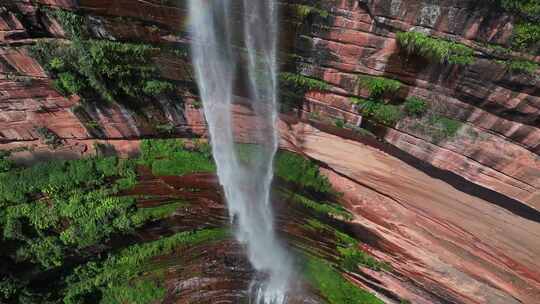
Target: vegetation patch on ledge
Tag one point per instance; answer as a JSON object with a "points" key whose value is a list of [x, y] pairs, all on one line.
{"points": [[118, 277], [333, 286], [435, 49], [100, 69]]}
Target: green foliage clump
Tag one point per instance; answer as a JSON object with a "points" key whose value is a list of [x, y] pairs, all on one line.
{"points": [[301, 81], [69, 83], [157, 87], [528, 8], [449, 127], [351, 257], [295, 86], [340, 123], [6, 164], [117, 270], [522, 66], [48, 137], [100, 69], [323, 208], [440, 50], [136, 292], [415, 106], [57, 209], [296, 169], [335, 288], [171, 157], [347, 246], [438, 127], [380, 112], [526, 35], [73, 24], [305, 11], [379, 86]]}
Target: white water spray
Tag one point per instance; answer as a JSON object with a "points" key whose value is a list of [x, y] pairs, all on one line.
{"points": [[246, 183]]}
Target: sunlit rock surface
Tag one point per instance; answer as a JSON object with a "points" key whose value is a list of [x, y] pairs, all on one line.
{"points": [[457, 219]]}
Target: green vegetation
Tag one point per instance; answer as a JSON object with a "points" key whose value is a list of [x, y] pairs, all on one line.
{"points": [[301, 81], [526, 36], [347, 246], [58, 220], [305, 11], [172, 157], [5, 163], [352, 257], [379, 86], [295, 169], [415, 106], [323, 208], [335, 288], [113, 276], [375, 107], [437, 127], [529, 8], [295, 86], [522, 66], [100, 69], [57, 209], [386, 114], [48, 137], [439, 50], [340, 123]]}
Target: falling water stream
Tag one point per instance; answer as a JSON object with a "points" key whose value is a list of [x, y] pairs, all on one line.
{"points": [[224, 46]]}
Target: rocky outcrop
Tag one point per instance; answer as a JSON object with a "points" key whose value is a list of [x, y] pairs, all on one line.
{"points": [[456, 246], [456, 216]]}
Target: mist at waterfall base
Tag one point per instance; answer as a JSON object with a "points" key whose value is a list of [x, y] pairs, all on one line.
{"points": [[246, 182]]}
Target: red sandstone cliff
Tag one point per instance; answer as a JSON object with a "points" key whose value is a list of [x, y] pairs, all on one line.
{"points": [[467, 233]]}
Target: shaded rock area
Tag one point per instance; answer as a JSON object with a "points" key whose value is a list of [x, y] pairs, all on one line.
{"points": [[458, 218], [217, 272], [497, 142]]}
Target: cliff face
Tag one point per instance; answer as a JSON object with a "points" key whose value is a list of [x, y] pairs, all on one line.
{"points": [[451, 198]]}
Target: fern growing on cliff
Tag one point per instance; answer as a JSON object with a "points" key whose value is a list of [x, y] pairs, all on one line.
{"points": [[436, 49], [379, 86]]}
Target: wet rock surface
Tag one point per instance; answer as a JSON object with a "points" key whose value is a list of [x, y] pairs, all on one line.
{"points": [[448, 241]]}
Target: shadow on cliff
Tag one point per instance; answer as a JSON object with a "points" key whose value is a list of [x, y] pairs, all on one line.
{"points": [[408, 69]]}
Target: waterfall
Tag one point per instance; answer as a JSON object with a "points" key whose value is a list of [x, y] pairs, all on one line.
{"points": [[224, 45]]}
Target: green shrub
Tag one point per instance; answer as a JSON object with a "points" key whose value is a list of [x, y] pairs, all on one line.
{"points": [[109, 70], [324, 208], [437, 127], [157, 87], [340, 123], [526, 35], [530, 8], [138, 292], [304, 11], [333, 287], [70, 84], [119, 269], [386, 114], [56, 64], [293, 88], [351, 257], [170, 157], [296, 169], [522, 66], [73, 24], [301, 81], [440, 50], [5, 163], [379, 86], [415, 106], [449, 127]]}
